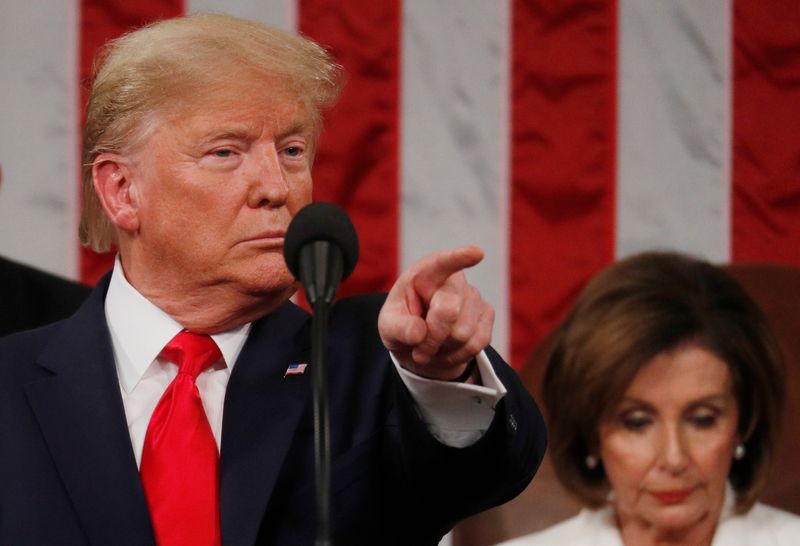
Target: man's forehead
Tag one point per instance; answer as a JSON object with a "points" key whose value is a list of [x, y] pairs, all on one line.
{"points": [[241, 117], [240, 88]]}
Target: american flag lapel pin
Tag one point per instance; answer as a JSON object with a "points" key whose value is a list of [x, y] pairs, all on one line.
{"points": [[296, 368]]}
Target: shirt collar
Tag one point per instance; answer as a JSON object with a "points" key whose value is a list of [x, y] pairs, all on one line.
{"points": [[729, 505], [139, 330]]}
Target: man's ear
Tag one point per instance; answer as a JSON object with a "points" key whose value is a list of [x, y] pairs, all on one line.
{"points": [[112, 175]]}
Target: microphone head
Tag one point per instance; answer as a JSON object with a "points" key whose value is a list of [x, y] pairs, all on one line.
{"points": [[321, 221]]}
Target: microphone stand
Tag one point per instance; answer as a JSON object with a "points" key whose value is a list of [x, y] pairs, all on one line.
{"points": [[322, 436], [321, 270]]}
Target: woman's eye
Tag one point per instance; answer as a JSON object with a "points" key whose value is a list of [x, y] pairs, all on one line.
{"points": [[635, 421], [703, 420]]}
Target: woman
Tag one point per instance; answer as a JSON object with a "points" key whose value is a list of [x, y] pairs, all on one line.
{"points": [[664, 392]]}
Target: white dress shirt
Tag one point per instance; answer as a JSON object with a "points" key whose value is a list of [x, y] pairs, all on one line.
{"points": [[455, 413]]}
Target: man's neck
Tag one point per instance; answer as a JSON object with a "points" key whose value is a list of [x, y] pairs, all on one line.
{"points": [[215, 310], [207, 309]]}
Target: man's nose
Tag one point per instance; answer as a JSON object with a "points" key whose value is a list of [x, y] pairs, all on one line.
{"points": [[268, 184]]}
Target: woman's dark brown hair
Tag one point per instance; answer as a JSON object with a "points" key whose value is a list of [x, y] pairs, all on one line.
{"points": [[632, 311]]}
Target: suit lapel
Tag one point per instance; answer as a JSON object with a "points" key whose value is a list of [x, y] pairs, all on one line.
{"points": [[262, 411], [79, 409]]}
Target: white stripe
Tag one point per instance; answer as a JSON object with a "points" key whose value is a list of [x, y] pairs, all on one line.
{"points": [[674, 127], [38, 134], [454, 138], [279, 13]]}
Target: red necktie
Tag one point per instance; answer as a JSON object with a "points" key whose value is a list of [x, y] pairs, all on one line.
{"points": [[179, 461]]}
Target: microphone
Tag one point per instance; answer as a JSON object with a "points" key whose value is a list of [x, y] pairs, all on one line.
{"points": [[321, 249]]}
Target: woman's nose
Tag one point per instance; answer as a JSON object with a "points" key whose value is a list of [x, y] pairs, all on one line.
{"points": [[674, 455]]}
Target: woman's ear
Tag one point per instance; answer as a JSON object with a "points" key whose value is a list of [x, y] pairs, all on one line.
{"points": [[112, 175]]}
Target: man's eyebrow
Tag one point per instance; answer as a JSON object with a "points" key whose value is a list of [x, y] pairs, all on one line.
{"points": [[240, 132], [300, 127]]}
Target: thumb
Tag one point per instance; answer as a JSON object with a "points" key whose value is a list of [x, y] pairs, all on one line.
{"points": [[400, 331]]}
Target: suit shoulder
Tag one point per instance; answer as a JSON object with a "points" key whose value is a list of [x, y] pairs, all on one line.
{"points": [[353, 330], [371, 302], [19, 352], [27, 341], [361, 304], [765, 524], [785, 524], [358, 311]]}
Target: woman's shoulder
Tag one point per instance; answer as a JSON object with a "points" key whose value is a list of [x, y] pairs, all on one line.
{"points": [[763, 523], [589, 527], [779, 522]]}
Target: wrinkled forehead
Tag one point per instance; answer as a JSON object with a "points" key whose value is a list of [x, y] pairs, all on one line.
{"points": [[250, 102]]}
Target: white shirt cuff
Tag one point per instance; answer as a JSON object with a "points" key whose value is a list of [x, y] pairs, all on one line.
{"points": [[457, 414]]}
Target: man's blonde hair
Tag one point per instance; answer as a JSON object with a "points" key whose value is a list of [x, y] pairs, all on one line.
{"points": [[142, 74]]}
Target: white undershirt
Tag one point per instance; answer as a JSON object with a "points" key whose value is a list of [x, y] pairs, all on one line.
{"points": [[456, 413]]}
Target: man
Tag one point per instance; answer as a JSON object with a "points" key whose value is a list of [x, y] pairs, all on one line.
{"points": [[30, 298], [199, 141]]}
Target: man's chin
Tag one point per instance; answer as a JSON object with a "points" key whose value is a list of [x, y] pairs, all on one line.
{"points": [[270, 285]]}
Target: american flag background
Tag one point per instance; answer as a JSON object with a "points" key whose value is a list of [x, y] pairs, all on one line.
{"points": [[557, 134]]}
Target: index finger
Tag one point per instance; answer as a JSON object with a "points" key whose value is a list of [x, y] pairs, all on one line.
{"points": [[434, 270]]}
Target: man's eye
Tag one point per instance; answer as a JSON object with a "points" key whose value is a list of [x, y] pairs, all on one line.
{"points": [[294, 151], [223, 152]]}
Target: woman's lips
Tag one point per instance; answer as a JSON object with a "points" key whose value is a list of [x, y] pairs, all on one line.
{"points": [[672, 496]]}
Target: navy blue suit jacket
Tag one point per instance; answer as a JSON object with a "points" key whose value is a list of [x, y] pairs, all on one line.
{"points": [[68, 474]]}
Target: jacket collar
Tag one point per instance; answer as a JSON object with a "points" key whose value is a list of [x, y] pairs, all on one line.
{"points": [[262, 409], [79, 409]]}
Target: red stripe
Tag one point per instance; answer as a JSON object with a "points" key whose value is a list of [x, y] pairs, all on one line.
{"points": [[766, 117], [358, 161], [563, 158], [101, 21]]}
